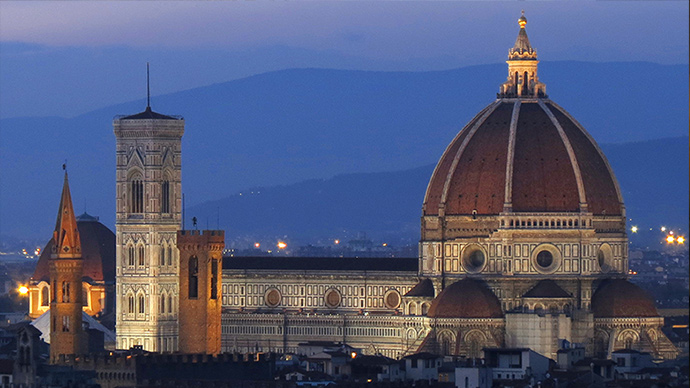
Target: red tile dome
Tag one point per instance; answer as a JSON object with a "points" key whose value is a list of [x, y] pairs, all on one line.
{"points": [[98, 252], [522, 155], [467, 298], [618, 298]]}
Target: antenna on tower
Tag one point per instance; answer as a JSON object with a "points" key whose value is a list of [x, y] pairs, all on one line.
{"points": [[148, 89]]}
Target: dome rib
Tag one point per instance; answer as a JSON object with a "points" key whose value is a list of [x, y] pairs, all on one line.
{"points": [[434, 191], [598, 187], [571, 154], [543, 177], [463, 146], [510, 158]]}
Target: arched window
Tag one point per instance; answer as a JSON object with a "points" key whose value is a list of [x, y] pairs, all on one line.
{"points": [[136, 191], [141, 255], [142, 307], [193, 277], [170, 303], [165, 197], [130, 255], [162, 307], [163, 249], [65, 292], [45, 296], [170, 256], [130, 304]]}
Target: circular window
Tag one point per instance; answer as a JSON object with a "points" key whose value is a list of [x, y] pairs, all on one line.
{"points": [[473, 258], [392, 299], [544, 259], [273, 297], [332, 298]]}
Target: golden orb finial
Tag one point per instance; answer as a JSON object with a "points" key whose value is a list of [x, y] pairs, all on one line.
{"points": [[523, 20]]}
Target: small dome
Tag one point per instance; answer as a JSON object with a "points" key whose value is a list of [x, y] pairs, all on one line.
{"points": [[467, 298], [97, 248], [618, 298]]}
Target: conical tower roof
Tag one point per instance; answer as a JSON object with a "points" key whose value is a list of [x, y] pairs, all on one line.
{"points": [[66, 235]]}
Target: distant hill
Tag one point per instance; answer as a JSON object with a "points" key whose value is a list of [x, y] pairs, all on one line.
{"points": [[388, 205], [287, 126]]}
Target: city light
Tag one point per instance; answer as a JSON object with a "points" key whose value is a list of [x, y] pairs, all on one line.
{"points": [[633, 229], [670, 239], [680, 240], [23, 290], [281, 245], [353, 354], [663, 228], [257, 245], [337, 242]]}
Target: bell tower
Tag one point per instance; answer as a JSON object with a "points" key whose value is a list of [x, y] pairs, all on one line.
{"points": [[66, 271], [149, 204]]}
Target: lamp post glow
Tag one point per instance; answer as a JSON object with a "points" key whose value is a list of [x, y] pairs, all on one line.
{"points": [[23, 290], [281, 245]]}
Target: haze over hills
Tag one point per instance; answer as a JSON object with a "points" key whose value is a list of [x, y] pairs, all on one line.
{"points": [[288, 126]]}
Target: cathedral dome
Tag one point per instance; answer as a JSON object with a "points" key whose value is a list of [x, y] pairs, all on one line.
{"points": [[467, 298], [97, 250], [522, 153], [618, 298]]}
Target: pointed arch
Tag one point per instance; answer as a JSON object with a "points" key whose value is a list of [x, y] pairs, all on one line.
{"points": [[141, 303]]}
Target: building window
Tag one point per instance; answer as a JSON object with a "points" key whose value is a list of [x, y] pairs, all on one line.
{"points": [[162, 309], [141, 255], [137, 195], [142, 307], [130, 300], [165, 197], [65, 292], [65, 323], [45, 296], [170, 256], [214, 279], [163, 249], [170, 303], [193, 277], [130, 256]]}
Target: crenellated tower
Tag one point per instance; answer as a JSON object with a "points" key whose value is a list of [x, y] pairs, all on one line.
{"points": [[201, 266], [149, 203], [66, 269]]}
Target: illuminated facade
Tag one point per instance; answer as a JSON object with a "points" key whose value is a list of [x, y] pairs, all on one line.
{"points": [[523, 244]]}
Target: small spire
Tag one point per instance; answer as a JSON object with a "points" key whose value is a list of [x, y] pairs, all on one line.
{"points": [[66, 236], [148, 89]]}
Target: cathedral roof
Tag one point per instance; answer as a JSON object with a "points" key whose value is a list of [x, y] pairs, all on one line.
{"points": [[546, 288], [618, 298], [424, 288], [522, 153], [387, 264], [467, 298], [98, 252], [522, 156]]}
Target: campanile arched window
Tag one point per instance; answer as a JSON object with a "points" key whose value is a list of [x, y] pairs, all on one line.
{"points": [[136, 194], [165, 197]]}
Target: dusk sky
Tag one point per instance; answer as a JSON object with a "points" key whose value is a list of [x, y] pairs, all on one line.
{"points": [[67, 58]]}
